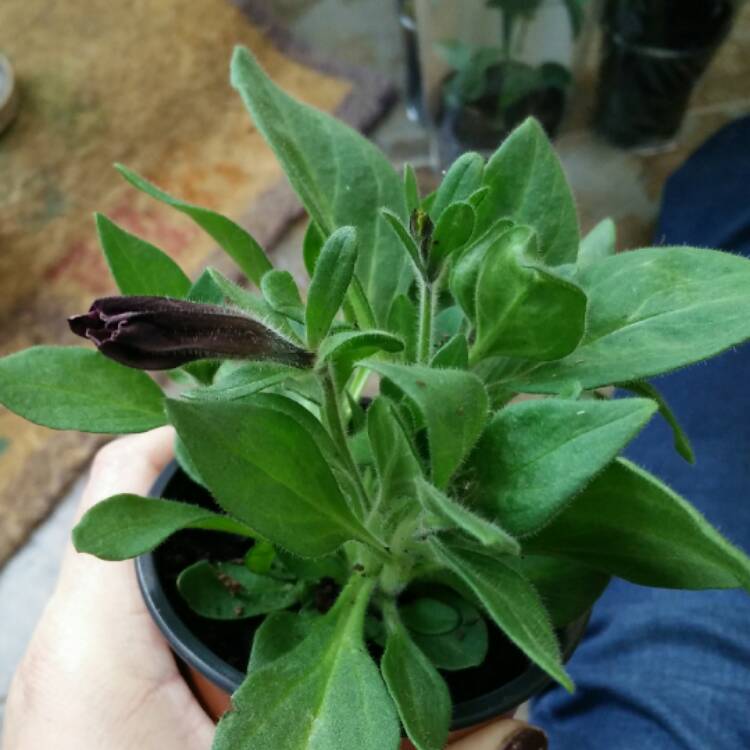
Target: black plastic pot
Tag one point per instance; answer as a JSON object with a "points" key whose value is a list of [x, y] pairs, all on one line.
{"points": [[211, 676], [653, 53]]}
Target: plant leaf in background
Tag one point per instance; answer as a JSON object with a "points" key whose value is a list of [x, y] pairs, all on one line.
{"points": [[137, 266], [523, 310], [527, 184], [246, 451], [627, 523], [330, 281], [411, 188], [340, 176], [453, 230], [72, 388], [419, 692], [402, 319], [227, 591], [232, 238], [454, 407], [534, 455], [511, 602], [328, 687], [638, 301], [281, 293], [277, 635], [681, 440], [454, 353], [598, 244], [125, 526]]}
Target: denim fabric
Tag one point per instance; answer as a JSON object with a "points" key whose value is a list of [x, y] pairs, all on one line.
{"points": [[663, 669]]}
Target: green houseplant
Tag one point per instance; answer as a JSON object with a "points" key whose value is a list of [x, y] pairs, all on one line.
{"points": [[455, 303]]}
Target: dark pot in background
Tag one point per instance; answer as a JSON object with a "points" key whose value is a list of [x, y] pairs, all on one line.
{"points": [[211, 675], [413, 80], [653, 53]]}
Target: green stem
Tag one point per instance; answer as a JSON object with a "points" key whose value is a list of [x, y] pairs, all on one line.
{"points": [[332, 411], [426, 322]]}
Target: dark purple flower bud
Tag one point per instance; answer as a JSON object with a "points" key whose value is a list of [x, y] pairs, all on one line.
{"points": [[157, 333]]}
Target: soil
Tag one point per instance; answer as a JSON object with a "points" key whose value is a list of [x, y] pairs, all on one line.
{"points": [[231, 640]]}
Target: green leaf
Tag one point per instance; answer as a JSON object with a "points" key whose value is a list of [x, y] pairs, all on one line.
{"points": [[246, 451], [330, 280], [462, 179], [402, 320], [232, 238], [451, 511], [312, 244], [463, 280], [137, 266], [523, 310], [419, 692], [328, 687], [405, 239], [429, 616], [512, 603], [72, 388], [330, 566], [534, 455], [681, 440], [652, 311], [227, 591], [630, 525], [185, 462], [206, 290], [452, 231], [460, 648], [351, 346], [527, 184], [281, 293], [598, 244], [125, 526], [453, 404], [277, 635], [567, 588], [260, 557], [395, 462], [244, 381], [341, 177], [411, 188], [454, 353]]}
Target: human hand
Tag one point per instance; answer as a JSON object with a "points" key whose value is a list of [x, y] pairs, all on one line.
{"points": [[505, 734], [98, 675]]}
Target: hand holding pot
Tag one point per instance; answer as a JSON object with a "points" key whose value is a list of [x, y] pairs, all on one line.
{"points": [[98, 673]]}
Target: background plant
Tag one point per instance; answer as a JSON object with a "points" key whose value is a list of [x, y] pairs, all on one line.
{"points": [[444, 506]]}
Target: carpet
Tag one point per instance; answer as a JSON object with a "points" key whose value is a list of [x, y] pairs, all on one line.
{"points": [[144, 83]]}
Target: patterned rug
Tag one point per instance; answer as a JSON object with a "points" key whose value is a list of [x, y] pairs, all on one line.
{"points": [[144, 83]]}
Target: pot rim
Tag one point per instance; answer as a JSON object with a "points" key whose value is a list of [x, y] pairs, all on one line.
{"points": [[192, 651]]}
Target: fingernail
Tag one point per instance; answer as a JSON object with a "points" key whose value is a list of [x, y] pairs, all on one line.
{"points": [[529, 738]]}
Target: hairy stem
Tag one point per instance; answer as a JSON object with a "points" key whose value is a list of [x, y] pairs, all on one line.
{"points": [[426, 322]]}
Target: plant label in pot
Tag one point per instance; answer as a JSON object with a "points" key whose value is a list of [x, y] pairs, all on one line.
{"points": [[363, 567]]}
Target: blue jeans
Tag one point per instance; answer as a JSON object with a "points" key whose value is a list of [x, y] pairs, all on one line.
{"points": [[661, 669]]}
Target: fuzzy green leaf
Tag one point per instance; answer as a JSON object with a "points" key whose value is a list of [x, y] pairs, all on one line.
{"points": [[453, 354], [312, 244], [411, 188], [402, 320], [523, 310], [429, 616], [627, 523], [278, 634], [354, 345], [419, 692], [402, 233], [245, 380], [232, 238], [527, 184], [330, 281], [227, 591], [681, 440], [340, 176], [281, 293], [72, 388], [137, 266], [512, 603], [652, 311], [454, 513], [452, 231], [247, 451], [125, 526], [453, 404], [328, 687], [462, 180], [534, 455], [598, 244]]}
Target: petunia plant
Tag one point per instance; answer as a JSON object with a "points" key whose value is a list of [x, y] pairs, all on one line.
{"points": [[445, 499]]}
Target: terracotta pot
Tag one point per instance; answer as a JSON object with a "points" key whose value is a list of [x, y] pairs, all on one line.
{"points": [[213, 680]]}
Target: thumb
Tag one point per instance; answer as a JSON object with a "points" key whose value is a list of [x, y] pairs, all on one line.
{"points": [[505, 734]]}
